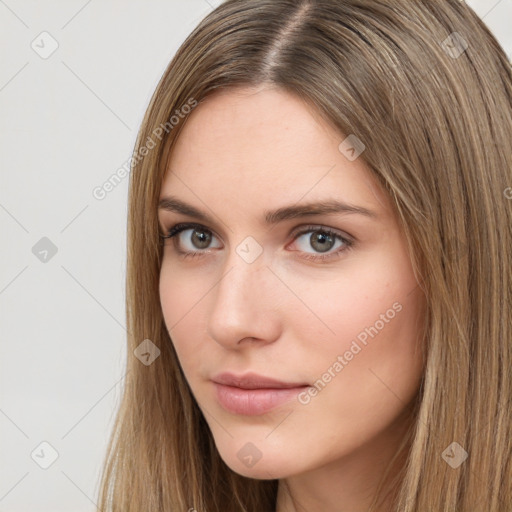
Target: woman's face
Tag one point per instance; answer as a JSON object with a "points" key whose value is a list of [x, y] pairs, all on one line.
{"points": [[258, 297]]}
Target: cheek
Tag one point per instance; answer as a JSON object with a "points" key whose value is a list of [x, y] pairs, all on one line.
{"points": [[181, 297], [341, 304], [364, 338], [181, 291]]}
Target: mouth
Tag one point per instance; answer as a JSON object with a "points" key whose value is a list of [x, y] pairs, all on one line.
{"points": [[253, 394]]}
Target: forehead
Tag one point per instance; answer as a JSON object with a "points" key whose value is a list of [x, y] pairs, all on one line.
{"points": [[244, 149]]}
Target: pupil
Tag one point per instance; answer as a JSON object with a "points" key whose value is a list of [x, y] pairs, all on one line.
{"points": [[201, 238], [322, 238]]}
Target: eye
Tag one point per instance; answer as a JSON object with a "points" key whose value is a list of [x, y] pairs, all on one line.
{"points": [[323, 240], [199, 238]]}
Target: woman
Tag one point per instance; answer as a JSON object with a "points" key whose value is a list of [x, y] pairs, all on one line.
{"points": [[319, 269]]}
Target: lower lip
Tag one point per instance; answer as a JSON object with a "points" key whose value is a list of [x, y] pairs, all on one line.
{"points": [[252, 402]]}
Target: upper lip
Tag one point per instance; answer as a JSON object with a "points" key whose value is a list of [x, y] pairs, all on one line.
{"points": [[253, 381]]}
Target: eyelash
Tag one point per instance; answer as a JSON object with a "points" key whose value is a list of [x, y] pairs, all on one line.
{"points": [[178, 228]]}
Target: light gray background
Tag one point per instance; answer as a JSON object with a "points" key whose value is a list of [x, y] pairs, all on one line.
{"points": [[67, 123]]}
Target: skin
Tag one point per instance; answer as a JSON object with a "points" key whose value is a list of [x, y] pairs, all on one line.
{"points": [[243, 152]]}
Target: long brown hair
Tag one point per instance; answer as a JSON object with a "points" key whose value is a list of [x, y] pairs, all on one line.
{"points": [[428, 90]]}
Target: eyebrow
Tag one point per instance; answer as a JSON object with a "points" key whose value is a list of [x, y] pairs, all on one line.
{"points": [[172, 204]]}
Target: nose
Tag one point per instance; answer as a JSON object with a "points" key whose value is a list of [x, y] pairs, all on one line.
{"points": [[243, 305]]}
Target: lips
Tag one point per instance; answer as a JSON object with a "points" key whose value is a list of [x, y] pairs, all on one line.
{"points": [[252, 394], [254, 381]]}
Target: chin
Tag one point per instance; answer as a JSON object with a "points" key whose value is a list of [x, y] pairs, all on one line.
{"points": [[265, 468]]}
